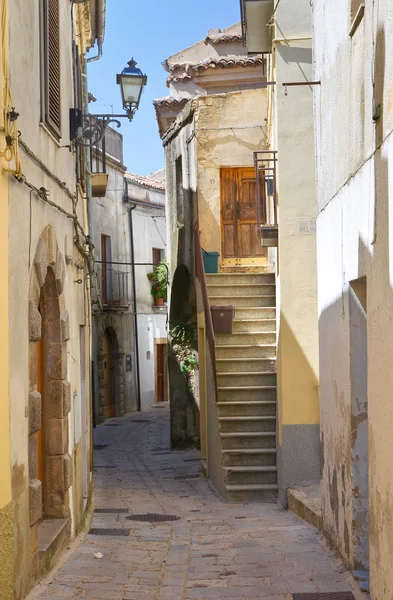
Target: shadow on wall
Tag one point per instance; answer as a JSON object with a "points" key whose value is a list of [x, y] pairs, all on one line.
{"points": [[184, 407], [356, 438]]}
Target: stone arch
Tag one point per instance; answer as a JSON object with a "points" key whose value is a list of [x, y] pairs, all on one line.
{"points": [[184, 411], [109, 325], [49, 406]]}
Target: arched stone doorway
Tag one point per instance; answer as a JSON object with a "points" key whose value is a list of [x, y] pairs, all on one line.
{"points": [[50, 467], [110, 371]]}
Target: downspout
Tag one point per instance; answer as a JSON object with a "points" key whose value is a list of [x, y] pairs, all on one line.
{"points": [[138, 378], [100, 24]]}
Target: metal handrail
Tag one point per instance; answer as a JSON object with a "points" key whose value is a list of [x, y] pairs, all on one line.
{"points": [[200, 273]]}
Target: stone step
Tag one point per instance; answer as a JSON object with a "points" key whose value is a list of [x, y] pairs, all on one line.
{"points": [[250, 475], [247, 409], [233, 441], [246, 338], [229, 290], [251, 493], [235, 365], [257, 301], [251, 378], [249, 457], [267, 393], [246, 351], [255, 312], [240, 278], [247, 424], [241, 325]]}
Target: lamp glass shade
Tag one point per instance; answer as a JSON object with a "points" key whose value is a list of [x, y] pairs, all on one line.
{"points": [[131, 88]]}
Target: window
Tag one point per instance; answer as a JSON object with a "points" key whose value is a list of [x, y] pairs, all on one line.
{"points": [[106, 273], [158, 256], [50, 66]]}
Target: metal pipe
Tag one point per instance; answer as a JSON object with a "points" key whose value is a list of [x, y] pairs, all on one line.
{"points": [[100, 24], [295, 39], [138, 378]]}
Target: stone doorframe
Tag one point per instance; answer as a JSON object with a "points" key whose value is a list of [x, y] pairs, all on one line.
{"points": [[46, 285], [109, 324]]}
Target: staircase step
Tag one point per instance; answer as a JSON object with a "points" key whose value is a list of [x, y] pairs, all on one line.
{"points": [[249, 493], [246, 365], [240, 301], [250, 475], [231, 291], [238, 278], [242, 325], [247, 409], [246, 338], [251, 378], [249, 457], [246, 351], [255, 312], [233, 441], [267, 393], [247, 424]]}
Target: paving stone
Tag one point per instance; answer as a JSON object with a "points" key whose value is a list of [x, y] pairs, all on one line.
{"points": [[216, 551]]}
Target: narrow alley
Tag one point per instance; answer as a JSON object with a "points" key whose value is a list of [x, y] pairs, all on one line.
{"points": [[205, 548]]}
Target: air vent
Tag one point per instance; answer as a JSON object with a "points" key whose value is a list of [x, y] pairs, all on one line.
{"points": [[153, 518]]}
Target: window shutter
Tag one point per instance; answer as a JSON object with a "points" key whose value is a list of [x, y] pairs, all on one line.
{"points": [[51, 65]]}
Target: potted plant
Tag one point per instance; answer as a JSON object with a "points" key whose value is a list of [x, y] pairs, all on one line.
{"points": [[159, 281]]}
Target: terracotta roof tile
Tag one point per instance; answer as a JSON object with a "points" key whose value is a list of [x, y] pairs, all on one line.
{"points": [[145, 181], [170, 101], [221, 61], [224, 38]]}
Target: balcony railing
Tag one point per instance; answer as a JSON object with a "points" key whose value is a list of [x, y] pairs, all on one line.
{"points": [[265, 162], [112, 287]]}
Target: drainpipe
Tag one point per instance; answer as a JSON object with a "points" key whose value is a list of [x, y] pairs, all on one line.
{"points": [[100, 24], [138, 378]]}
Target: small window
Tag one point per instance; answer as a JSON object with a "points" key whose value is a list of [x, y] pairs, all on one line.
{"points": [[50, 66], [158, 256]]}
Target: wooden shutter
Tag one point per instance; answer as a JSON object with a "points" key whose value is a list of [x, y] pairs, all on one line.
{"points": [[50, 68], [156, 256]]}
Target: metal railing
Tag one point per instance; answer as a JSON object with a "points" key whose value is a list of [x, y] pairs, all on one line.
{"points": [[265, 162], [113, 286], [200, 273]]}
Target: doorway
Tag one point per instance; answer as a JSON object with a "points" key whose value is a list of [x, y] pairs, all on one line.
{"points": [[109, 377], [161, 371], [40, 432], [240, 244]]}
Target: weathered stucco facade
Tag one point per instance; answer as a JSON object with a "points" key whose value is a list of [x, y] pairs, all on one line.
{"points": [[354, 119], [291, 120], [45, 443]]}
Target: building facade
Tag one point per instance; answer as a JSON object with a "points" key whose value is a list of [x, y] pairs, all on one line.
{"points": [[354, 119], [46, 466]]}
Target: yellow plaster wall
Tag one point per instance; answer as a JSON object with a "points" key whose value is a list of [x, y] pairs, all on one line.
{"points": [[228, 129], [5, 462]]}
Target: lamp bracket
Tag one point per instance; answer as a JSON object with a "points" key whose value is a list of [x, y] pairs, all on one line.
{"points": [[91, 129]]}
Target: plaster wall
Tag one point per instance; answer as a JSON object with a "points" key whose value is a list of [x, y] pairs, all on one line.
{"points": [[228, 129], [110, 217], [354, 165], [297, 316], [149, 232], [28, 216]]}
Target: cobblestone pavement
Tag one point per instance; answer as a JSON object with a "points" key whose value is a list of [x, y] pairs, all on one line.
{"points": [[214, 551]]}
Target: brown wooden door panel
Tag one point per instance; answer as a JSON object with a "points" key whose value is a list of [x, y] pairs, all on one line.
{"points": [[239, 214], [109, 378], [160, 372]]}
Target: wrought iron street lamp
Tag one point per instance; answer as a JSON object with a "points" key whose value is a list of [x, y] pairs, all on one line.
{"points": [[131, 81], [89, 129]]}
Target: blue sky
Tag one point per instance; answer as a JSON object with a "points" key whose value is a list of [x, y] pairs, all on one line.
{"points": [[149, 31]]}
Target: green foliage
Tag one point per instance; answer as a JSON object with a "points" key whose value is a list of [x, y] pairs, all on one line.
{"points": [[188, 365], [159, 280], [183, 334]]}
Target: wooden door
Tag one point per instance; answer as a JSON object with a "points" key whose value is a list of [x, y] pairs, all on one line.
{"points": [[160, 372], [239, 214], [109, 378], [40, 432]]}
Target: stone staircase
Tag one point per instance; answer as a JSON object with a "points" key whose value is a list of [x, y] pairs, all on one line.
{"points": [[246, 381]]}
